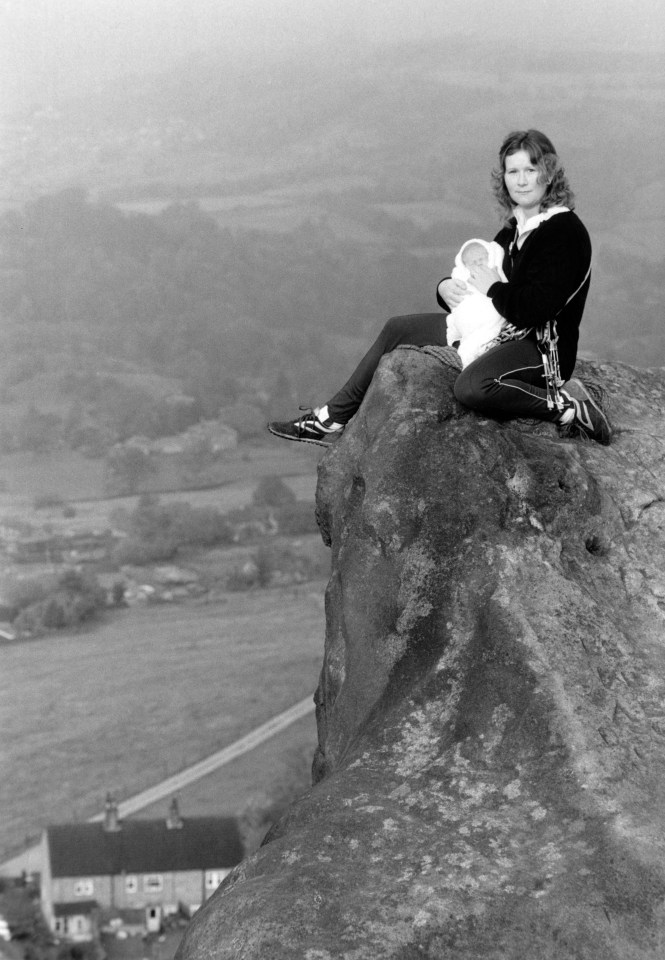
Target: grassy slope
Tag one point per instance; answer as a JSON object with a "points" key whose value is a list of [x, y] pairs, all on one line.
{"points": [[153, 689], [71, 477], [145, 695], [282, 763]]}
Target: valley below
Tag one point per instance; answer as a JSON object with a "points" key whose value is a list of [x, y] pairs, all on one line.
{"points": [[150, 687]]}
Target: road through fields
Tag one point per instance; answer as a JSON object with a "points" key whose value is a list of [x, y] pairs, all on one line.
{"points": [[178, 781], [29, 860]]}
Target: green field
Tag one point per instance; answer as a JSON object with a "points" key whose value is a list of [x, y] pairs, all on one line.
{"points": [[97, 514], [280, 767], [148, 693], [68, 476]]}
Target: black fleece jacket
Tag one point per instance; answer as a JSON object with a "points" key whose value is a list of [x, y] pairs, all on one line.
{"points": [[542, 275]]}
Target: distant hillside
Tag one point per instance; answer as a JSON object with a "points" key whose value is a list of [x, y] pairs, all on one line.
{"points": [[118, 324], [331, 194]]}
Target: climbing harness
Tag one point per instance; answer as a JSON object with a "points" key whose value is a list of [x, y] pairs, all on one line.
{"points": [[547, 339]]}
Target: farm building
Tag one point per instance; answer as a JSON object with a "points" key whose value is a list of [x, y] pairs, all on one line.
{"points": [[100, 874]]}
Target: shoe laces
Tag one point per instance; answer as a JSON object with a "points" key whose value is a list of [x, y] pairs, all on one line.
{"points": [[308, 418], [307, 413]]}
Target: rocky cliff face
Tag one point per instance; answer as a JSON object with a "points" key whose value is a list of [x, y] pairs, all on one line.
{"points": [[491, 709]]}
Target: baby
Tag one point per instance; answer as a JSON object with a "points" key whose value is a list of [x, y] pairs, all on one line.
{"points": [[475, 322]]}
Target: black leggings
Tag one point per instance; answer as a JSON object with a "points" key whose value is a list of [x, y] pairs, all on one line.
{"points": [[506, 381]]}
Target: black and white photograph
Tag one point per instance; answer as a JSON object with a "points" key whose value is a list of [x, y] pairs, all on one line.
{"points": [[332, 480]]}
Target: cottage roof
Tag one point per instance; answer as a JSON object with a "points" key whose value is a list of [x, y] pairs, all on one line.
{"points": [[143, 846]]}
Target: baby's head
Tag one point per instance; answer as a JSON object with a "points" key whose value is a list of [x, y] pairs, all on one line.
{"points": [[475, 255]]}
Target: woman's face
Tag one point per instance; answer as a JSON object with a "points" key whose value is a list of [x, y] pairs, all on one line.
{"points": [[524, 182]]}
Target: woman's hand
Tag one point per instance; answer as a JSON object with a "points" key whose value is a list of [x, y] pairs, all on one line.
{"points": [[453, 292], [482, 277]]}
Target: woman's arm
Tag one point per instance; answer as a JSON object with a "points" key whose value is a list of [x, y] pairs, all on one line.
{"points": [[548, 268], [450, 293]]}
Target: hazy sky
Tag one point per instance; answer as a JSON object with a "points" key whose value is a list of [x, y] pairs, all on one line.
{"points": [[51, 46]]}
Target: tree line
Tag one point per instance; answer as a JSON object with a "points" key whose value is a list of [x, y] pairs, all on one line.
{"points": [[230, 316]]}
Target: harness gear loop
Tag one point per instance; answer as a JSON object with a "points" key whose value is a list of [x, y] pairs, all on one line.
{"points": [[547, 338], [547, 345]]}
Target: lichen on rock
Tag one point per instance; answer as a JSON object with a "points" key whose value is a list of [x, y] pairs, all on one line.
{"points": [[491, 707]]}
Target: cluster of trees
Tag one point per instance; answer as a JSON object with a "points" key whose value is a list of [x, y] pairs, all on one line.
{"points": [[156, 530], [58, 602], [20, 906], [100, 411], [242, 321], [229, 316], [274, 501]]}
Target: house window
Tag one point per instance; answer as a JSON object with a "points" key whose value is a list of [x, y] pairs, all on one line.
{"points": [[131, 884], [214, 878], [153, 883], [83, 888], [60, 925]]}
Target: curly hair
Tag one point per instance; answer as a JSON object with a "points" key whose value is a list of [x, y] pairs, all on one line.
{"points": [[544, 157]]}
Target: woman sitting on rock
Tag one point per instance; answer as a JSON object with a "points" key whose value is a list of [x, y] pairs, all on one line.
{"points": [[547, 261]]}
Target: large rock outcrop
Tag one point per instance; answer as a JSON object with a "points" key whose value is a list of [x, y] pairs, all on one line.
{"points": [[491, 709]]}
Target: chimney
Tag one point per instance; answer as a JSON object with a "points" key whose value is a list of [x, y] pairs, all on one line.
{"points": [[111, 818], [173, 819]]}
